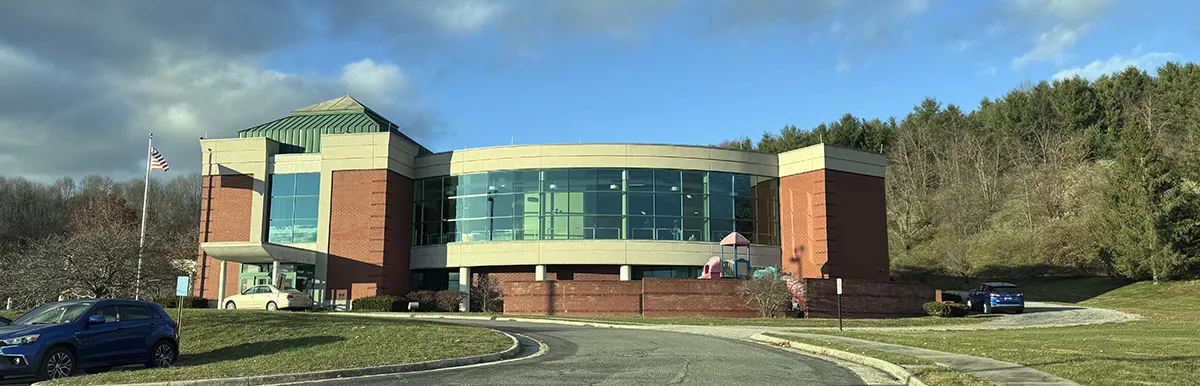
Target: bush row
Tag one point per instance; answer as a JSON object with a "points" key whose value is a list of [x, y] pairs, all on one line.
{"points": [[170, 302], [946, 310], [428, 301]]}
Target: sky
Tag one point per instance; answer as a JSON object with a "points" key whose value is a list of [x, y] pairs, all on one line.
{"points": [[83, 83]]}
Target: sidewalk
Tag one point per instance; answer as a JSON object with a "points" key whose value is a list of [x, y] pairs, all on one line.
{"points": [[1000, 372]]}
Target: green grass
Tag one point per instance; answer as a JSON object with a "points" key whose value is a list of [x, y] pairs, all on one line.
{"points": [[11, 314], [925, 370], [1162, 349], [218, 343]]}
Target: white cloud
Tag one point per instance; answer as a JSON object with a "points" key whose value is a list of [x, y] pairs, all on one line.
{"points": [[380, 82], [1095, 69], [465, 16], [1051, 45]]}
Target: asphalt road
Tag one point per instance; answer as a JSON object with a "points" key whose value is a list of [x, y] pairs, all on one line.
{"points": [[605, 356]]}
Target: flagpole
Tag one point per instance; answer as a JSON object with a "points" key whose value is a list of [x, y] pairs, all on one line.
{"points": [[137, 288]]}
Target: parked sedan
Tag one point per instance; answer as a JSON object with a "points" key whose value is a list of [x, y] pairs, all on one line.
{"points": [[58, 340], [990, 297], [270, 298]]}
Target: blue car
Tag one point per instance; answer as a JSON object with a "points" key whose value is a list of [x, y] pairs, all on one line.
{"points": [[992, 297], [60, 339]]}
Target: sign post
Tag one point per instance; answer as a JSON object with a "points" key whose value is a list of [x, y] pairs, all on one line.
{"points": [[182, 284], [839, 302]]}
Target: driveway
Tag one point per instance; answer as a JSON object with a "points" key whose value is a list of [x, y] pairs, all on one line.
{"points": [[613, 356]]}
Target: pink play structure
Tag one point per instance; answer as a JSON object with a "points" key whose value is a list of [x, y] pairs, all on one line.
{"points": [[712, 269]]}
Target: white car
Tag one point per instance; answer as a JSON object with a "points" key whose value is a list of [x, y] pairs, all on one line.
{"points": [[268, 297]]}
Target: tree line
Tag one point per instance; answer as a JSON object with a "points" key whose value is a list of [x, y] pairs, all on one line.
{"points": [[1063, 177], [80, 238]]}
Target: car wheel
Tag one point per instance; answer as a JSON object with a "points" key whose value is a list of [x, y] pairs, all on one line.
{"points": [[163, 355], [271, 306], [230, 306], [58, 363], [1020, 310]]}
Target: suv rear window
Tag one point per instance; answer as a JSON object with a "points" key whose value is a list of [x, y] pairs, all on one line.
{"points": [[1006, 290]]}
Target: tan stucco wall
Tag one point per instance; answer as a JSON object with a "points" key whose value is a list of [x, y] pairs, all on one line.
{"points": [[596, 155], [607, 252], [819, 157]]}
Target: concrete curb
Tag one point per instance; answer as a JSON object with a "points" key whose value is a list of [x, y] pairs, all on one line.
{"points": [[895, 370], [509, 353]]}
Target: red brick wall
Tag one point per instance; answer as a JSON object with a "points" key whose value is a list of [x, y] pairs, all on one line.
{"points": [[857, 226], [865, 299], [225, 206], [693, 298], [571, 297], [370, 233], [834, 224], [802, 224]]}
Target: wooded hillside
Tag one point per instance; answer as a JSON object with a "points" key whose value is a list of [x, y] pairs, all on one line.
{"points": [[1058, 178]]}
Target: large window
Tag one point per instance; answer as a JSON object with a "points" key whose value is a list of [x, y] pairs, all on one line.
{"points": [[595, 203], [293, 208]]}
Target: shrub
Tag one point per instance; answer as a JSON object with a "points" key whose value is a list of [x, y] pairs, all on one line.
{"points": [[769, 296], [170, 302], [448, 300], [945, 310], [426, 299], [384, 303]]}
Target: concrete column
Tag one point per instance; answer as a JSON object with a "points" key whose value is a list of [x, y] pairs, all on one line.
{"points": [[539, 272], [221, 285], [464, 285], [275, 273], [626, 273]]}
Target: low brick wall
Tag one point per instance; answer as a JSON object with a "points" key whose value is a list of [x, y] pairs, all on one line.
{"points": [[693, 298], [866, 299], [572, 297]]}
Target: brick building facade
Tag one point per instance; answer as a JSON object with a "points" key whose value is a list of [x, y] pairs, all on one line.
{"points": [[334, 200]]}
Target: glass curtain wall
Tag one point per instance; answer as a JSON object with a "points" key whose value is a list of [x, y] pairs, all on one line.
{"points": [[595, 204], [293, 208]]}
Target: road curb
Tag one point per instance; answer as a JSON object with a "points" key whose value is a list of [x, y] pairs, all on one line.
{"points": [[895, 370], [276, 379]]}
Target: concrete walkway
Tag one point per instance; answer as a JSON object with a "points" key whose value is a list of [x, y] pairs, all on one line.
{"points": [[999, 372]]}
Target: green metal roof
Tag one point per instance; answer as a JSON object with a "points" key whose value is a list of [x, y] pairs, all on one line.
{"points": [[300, 131]]}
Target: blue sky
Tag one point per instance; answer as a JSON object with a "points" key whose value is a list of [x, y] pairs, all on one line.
{"points": [[677, 80], [99, 76]]}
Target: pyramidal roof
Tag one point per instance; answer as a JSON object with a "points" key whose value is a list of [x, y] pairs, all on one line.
{"points": [[340, 105]]}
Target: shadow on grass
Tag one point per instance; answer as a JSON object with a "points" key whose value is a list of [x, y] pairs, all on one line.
{"points": [[251, 350]]}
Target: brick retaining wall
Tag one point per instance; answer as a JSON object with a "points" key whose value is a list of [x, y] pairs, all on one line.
{"points": [[571, 297], [693, 298], [865, 299]]}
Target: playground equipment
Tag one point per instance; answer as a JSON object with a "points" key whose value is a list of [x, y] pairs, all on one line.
{"points": [[712, 269], [736, 240]]}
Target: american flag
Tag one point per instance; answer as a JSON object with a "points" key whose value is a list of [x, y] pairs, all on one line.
{"points": [[157, 162]]}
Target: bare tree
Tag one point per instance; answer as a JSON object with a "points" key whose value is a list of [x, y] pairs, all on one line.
{"points": [[769, 296], [486, 293]]}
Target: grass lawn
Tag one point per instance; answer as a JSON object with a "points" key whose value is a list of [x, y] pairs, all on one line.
{"points": [[11, 314], [218, 343], [1162, 349], [926, 370]]}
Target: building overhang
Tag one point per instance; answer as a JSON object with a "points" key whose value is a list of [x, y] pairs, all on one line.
{"points": [[258, 253]]}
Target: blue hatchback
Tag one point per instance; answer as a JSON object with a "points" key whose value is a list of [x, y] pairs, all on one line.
{"points": [[60, 339], [992, 297]]}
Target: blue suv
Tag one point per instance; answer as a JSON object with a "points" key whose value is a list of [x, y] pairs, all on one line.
{"points": [[991, 297], [60, 339]]}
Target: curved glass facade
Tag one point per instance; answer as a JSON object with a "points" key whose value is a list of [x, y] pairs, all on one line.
{"points": [[595, 203]]}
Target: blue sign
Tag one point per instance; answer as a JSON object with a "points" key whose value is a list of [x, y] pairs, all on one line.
{"points": [[181, 285]]}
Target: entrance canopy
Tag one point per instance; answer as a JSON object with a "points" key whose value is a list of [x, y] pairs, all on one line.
{"points": [[251, 252]]}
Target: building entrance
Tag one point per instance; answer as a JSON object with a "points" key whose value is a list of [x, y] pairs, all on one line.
{"points": [[298, 276]]}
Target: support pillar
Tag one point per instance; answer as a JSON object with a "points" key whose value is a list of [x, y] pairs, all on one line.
{"points": [[626, 273], [539, 272], [275, 273], [464, 285], [220, 285]]}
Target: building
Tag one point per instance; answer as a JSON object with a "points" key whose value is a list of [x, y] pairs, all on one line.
{"points": [[335, 200]]}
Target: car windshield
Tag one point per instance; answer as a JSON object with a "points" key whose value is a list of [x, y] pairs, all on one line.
{"points": [[1006, 290], [53, 314]]}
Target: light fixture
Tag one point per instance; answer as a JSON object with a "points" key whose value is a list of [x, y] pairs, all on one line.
{"points": [[553, 186], [613, 187], [491, 187], [689, 196], [674, 188]]}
